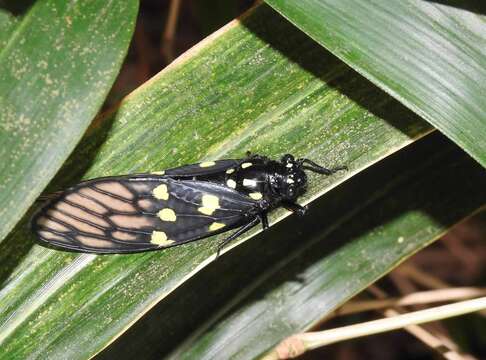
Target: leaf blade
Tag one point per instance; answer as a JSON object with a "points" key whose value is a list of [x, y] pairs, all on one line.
{"points": [[429, 56], [287, 95], [55, 74], [394, 210]]}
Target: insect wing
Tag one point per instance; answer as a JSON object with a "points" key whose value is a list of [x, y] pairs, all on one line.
{"points": [[202, 169], [130, 214]]}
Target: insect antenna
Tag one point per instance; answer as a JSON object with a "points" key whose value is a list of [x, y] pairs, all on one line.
{"points": [[307, 164]]}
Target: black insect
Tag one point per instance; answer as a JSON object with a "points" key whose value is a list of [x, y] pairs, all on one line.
{"points": [[132, 213]]}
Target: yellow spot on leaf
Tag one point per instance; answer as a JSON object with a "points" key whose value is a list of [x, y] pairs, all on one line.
{"points": [[207, 164], [216, 226], [161, 193], [256, 195], [167, 215], [160, 238]]}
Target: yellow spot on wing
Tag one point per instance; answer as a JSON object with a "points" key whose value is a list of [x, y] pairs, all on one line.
{"points": [[256, 195], [161, 193], [211, 201], [162, 172], [209, 204], [216, 226], [207, 164], [246, 164], [230, 171], [160, 238], [249, 182], [231, 183], [167, 215]]}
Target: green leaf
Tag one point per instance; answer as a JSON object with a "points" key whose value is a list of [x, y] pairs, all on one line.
{"points": [[430, 55], [7, 26], [258, 85], [369, 225], [56, 68]]}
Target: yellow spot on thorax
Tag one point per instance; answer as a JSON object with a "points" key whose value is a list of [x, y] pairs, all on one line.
{"points": [[256, 195], [207, 164], [167, 215], [160, 238], [209, 204], [161, 193], [216, 226]]}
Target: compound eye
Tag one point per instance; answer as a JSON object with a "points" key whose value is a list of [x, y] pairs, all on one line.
{"points": [[288, 158]]}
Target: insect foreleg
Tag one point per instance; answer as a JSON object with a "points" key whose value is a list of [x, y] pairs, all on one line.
{"points": [[294, 207], [237, 233], [264, 219]]}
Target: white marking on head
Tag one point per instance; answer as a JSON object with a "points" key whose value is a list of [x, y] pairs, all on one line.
{"points": [[289, 165], [256, 195], [207, 164], [290, 181], [160, 238], [246, 164], [249, 182], [161, 193], [167, 215], [209, 204], [216, 226], [231, 183]]}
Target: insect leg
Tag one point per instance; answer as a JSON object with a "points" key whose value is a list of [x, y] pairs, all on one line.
{"points": [[264, 219], [237, 233], [312, 166], [251, 156], [294, 207]]}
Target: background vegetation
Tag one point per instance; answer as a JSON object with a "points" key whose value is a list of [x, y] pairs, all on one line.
{"points": [[315, 78]]}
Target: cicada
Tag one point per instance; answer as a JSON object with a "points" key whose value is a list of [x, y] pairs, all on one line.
{"points": [[132, 213]]}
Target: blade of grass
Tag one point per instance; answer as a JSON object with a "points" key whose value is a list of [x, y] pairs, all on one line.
{"points": [[257, 85], [368, 226], [430, 55], [7, 26], [56, 68]]}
